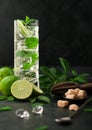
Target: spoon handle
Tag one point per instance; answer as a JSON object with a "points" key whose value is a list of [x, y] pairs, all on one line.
{"points": [[87, 101]]}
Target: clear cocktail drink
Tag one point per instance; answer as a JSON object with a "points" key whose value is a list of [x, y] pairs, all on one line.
{"points": [[26, 50]]}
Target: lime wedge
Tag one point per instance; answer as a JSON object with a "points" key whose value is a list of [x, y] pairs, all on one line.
{"points": [[24, 31], [36, 90], [5, 84], [21, 89]]}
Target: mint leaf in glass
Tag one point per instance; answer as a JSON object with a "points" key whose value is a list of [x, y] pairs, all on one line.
{"points": [[20, 53], [34, 57], [25, 53], [31, 42], [27, 65]]}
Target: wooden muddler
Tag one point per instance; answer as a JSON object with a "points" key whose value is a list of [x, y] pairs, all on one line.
{"points": [[61, 88]]}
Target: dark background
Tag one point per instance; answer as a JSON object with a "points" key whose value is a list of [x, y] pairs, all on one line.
{"points": [[65, 29]]}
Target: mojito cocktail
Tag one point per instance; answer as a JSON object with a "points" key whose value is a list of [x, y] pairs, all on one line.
{"points": [[26, 49]]}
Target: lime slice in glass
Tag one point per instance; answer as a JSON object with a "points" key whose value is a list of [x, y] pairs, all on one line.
{"points": [[21, 89], [23, 29]]}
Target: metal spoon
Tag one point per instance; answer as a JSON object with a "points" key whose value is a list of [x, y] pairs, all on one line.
{"points": [[68, 119]]}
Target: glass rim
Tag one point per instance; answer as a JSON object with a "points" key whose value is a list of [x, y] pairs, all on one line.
{"points": [[35, 23]]}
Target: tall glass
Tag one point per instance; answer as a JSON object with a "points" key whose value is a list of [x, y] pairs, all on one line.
{"points": [[26, 50]]}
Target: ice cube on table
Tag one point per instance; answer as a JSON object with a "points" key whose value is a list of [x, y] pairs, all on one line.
{"points": [[22, 113], [37, 109]]}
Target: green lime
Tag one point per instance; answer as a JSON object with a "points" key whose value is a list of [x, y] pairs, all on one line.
{"points": [[21, 89], [5, 84], [5, 71]]}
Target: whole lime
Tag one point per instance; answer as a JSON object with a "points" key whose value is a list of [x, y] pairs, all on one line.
{"points": [[5, 71], [5, 84]]}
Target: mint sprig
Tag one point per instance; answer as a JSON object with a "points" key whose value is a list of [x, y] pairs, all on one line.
{"points": [[28, 21]]}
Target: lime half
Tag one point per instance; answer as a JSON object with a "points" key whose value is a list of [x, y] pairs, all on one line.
{"points": [[21, 89]]}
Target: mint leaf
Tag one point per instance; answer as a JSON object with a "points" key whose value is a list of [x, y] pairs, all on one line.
{"points": [[31, 42], [2, 97], [74, 73], [6, 108], [44, 79], [43, 99], [34, 56], [10, 98], [62, 78], [42, 128], [45, 70], [27, 65], [65, 65], [50, 72], [32, 99], [81, 78], [37, 104], [88, 110], [53, 71], [25, 53], [20, 53]]}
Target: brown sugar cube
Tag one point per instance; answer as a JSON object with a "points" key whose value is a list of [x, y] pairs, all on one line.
{"points": [[81, 94], [71, 96], [76, 91], [62, 103], [73, 107], [70, 91]]}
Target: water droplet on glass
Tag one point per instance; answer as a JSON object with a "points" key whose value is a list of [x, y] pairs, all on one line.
{"points": [[22, 113], [37, 109]]}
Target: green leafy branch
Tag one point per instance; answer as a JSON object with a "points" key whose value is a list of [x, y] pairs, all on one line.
{"points": [[50, 75]]}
